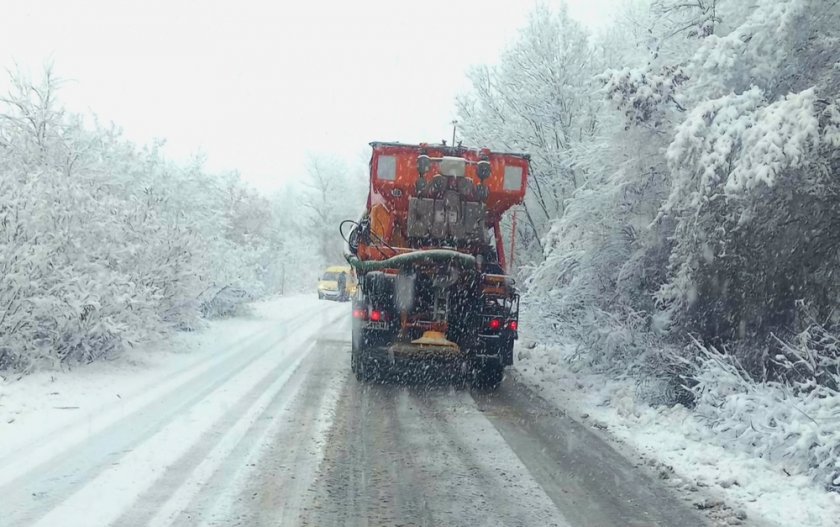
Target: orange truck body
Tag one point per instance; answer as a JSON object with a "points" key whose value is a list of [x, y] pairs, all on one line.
{"points": [[393, 179], [433, 279]]}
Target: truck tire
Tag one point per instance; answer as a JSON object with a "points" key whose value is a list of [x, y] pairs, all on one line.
{"points": [[359, 364], [355, 337], [366, 370], [462, 377], [507, 353], [356, 344], [488, 376], [361, 373]]}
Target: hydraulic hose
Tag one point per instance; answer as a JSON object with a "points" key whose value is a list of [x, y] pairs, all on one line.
{"points": [[466, 261]]}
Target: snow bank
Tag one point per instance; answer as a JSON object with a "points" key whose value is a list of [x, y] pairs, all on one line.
{"points": [[46, 411], [726, 446], [794, 426]]}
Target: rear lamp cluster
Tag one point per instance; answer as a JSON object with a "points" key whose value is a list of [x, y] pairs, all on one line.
{"points": [[374, 316], [495, 324]]}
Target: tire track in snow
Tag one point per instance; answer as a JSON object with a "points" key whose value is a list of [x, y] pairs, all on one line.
{"points": [[269, 486], [204, 483], [585, 477], [19, 460], [185, 478], [45, 490], [421, 456], [489, 474]]}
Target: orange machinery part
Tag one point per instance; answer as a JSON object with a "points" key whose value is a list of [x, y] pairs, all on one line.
{"points": [[388, 198]]}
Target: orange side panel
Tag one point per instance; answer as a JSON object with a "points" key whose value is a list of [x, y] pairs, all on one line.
{"points": [[396, 192], [391, 188], [381, 224]]}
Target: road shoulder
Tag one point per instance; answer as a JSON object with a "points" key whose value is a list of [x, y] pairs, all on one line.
{"points": [[588, 479], [729, 486]]}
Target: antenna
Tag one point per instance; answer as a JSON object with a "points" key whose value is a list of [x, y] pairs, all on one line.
{"points": [[454, 124]]}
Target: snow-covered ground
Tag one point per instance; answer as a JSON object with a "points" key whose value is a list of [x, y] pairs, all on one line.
{"points": [[46, 403], [676, 444], [114, 428], [183, 408]]}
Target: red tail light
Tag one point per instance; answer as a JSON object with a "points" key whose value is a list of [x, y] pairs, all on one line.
{"points": [[494, 323], [513, 325], [361, 314], [375, 316]]}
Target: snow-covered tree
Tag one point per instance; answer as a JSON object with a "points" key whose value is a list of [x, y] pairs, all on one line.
{"points": [[754, 175], [538, 99], [104, 244], [333, 191], [703, 198]]}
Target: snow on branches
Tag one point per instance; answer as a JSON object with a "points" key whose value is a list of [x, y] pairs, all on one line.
{"points": [[733, 143], [707, 216], [104, 245], [644, 95], [785, 136]]}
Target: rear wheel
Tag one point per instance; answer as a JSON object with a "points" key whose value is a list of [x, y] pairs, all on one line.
{"points": [[366, 369], [488, 376], [506, 352], [461, 379], [355, 345], [359, 370], [360, 364]]}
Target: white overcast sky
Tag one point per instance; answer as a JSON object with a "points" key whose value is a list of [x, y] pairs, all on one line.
{"points": [[257, 84]]}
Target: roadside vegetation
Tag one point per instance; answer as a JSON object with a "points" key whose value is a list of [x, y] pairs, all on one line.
{"points": [[682, 220], [106, 244]]}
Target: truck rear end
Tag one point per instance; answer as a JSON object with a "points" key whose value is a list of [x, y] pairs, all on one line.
{"points": [[433, 291]]}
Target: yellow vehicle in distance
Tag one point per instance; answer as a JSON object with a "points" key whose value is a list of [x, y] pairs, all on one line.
{"points": [[328, 283]]}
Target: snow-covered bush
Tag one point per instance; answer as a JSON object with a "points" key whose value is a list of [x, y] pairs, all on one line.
{"points": [[705, 192], [754, 194], [225, 302], [793, 423], [753, 166], [104, 244], [705, 214]]}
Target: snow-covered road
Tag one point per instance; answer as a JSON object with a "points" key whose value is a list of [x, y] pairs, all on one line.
{"points": [[271, 429]]}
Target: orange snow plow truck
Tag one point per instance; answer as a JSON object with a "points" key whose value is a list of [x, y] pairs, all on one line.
{"points": [[433, 296]]}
